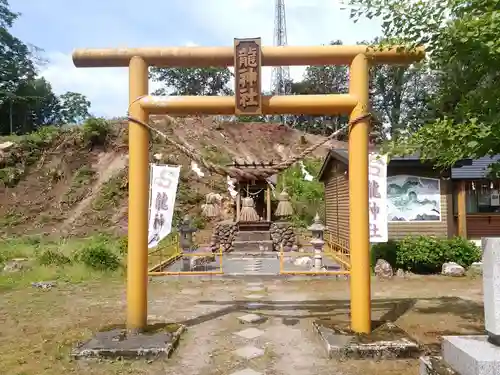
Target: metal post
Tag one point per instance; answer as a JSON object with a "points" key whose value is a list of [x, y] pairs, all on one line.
{"points": [[137, 262], [359, 241]]}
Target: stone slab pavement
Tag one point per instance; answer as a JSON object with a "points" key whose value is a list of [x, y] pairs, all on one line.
{"points": [[271, 332]]}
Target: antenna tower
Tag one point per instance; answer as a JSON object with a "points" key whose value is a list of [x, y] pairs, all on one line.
{"points": [[280, 76]]}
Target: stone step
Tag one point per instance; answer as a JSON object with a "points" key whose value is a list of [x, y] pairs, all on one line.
{"points": [[252, 246], [251, 255], [253, 236]]}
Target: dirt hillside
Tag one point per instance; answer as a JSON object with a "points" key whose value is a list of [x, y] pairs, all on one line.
{"points": [[59, 181]]}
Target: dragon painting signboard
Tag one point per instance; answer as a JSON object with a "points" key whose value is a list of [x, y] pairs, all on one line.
{"points": [[413, 198], [247, 75]]}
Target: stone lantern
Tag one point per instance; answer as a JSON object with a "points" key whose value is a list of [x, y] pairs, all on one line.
{"points": [[317, 230], [186, 231]]}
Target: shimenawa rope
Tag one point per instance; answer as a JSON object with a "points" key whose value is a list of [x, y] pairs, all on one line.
{"points": [[234, 172]]}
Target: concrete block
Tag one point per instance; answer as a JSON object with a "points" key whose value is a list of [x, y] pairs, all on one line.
{"points": [[385, 342], [471, 355], [158, 340], [491, 286]]}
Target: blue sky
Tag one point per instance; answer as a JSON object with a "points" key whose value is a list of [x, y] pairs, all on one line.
{"points": [[59, 26]]}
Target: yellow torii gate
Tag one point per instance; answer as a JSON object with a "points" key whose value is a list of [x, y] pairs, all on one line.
{"points": [[356, 104]]}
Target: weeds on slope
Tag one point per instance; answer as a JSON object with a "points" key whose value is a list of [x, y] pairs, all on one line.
{"points": [[32, 259]]}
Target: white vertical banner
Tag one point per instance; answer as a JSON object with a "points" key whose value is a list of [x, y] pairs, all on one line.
{"points": [[162, 192], [377, 197]]}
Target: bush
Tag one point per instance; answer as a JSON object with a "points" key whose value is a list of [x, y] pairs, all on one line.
{"points": [[98, 256], [51, 257], [96, 131], [426, 254], [421, 254], [384, 250], [462, 252], [306, 197]]}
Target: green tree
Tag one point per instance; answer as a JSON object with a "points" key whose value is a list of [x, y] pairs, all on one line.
{"points": [[42, 104], [321, 80], [74, 108], [32, 105], [16, 66], [400, 97], [27, 102], [461, 39], [192, 81]]}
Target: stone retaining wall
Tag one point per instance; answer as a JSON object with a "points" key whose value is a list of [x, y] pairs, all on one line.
{"points": [[283, 232], [223, 236]]}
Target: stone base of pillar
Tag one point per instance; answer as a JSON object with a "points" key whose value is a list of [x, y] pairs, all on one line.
{"points": [[471, 355]]}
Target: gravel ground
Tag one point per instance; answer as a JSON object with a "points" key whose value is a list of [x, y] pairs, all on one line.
{"points": [[40, 327]]}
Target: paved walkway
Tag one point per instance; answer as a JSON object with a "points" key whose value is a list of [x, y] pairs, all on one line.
{"points": [[263, 325], [242, 335]]}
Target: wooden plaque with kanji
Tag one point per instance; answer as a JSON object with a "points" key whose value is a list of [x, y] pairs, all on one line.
{"points": [[247, 76]]}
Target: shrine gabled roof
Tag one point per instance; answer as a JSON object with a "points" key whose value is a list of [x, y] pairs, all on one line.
{"points": [[249, 166]]}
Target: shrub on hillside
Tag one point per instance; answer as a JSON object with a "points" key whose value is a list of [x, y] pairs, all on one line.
{"points": [[98, 256], [425, 254], [53, 258], [95, 131]]}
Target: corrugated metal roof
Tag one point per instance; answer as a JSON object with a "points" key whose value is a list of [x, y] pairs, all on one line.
{"points": [[477, 169]]}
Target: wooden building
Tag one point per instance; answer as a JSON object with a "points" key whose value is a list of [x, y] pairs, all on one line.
{"points": [[458, 201], [476, 204]]}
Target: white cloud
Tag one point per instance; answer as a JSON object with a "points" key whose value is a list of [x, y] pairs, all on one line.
{"points": [[309, 22]]}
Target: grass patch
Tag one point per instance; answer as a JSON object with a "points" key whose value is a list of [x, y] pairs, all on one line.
{"points": [[72, 261], [40, 327]]}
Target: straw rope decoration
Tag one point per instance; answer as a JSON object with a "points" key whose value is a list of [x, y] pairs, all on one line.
{"points": [[234, 172]]}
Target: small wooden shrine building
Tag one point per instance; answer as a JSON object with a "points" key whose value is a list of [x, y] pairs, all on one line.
{"points": [[259, 190]]}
